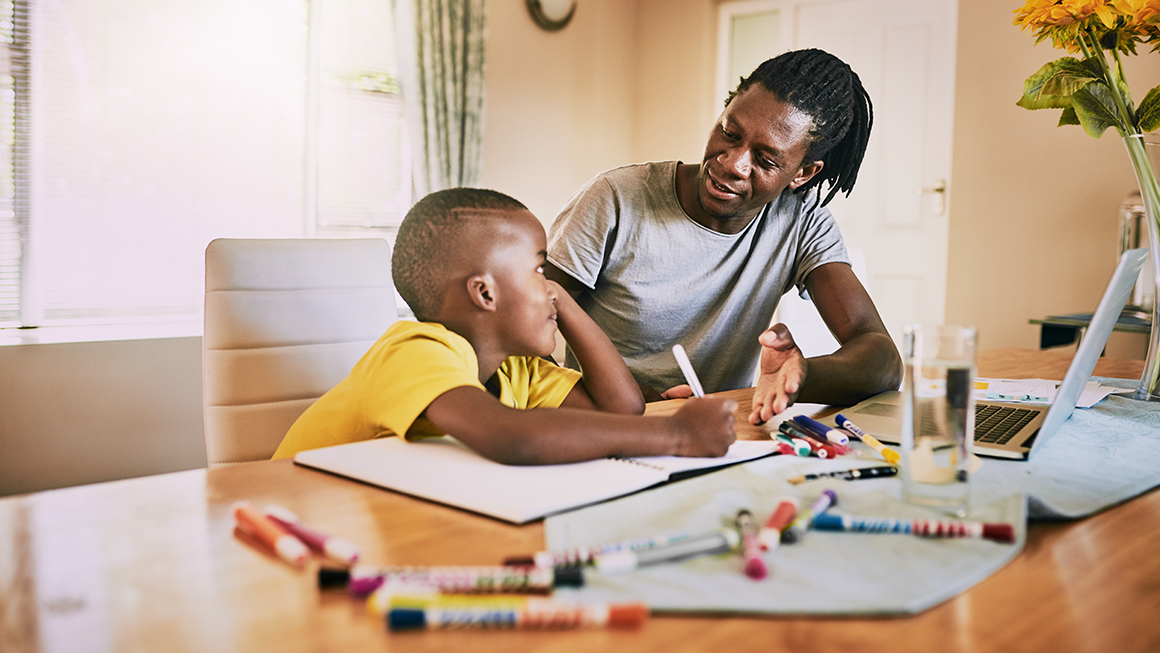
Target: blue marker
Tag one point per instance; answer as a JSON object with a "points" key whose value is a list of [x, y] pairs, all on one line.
{"points": [[833, 435]]}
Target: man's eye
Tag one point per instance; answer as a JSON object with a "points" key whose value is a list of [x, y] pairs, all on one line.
{"points": [[540, 270]]}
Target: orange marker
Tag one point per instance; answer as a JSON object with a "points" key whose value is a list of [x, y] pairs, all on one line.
{"points": [[782, 517], [281, 542]]}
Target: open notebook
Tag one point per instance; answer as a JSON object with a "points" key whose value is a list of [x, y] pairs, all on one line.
{"points": [[446, 471]]}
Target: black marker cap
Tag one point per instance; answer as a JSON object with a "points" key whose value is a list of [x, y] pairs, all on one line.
{"points": [[568, 576], [329, 578]]}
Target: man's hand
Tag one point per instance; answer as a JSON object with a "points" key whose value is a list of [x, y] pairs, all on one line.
{"points": [[783, 370], [682, 391]]}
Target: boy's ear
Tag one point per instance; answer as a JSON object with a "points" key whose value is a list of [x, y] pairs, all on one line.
{"points": [[481, 290]]}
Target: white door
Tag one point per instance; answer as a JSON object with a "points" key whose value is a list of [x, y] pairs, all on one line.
{"points": [[904, 52]]}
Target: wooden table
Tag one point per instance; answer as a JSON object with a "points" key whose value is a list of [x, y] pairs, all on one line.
{"points": [[153, 564]]}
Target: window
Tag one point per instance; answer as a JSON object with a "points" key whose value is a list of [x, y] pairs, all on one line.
{"points": [[133, 132]]}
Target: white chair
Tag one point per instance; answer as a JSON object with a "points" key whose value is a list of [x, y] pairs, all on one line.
{"points": [[285, 320]]}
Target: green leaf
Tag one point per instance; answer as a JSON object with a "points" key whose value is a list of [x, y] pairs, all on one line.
{"points": [[1052, 86], [1096, 108], [1068, 117], [1148, 113]]}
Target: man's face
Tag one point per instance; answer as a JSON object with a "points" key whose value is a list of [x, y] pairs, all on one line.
{"points": [[755, 151]]}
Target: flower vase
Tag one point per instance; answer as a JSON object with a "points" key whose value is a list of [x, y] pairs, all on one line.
{"points": [[1144, 151]]}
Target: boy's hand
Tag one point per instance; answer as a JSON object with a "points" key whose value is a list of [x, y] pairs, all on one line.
{"points": [[783, 369], [705, 427]]}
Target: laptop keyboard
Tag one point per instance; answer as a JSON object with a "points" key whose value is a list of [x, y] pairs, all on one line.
{"points": [[998, 424]]}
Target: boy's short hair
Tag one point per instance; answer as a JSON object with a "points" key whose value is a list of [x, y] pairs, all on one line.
{"points": [[429, 239]]}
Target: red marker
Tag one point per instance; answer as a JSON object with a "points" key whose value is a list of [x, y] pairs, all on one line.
{"points": [[335, 548], [782, 517], [754, 565], [280, 541]]}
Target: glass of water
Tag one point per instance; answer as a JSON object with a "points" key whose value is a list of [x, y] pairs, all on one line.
{"points": [[938, 415]]}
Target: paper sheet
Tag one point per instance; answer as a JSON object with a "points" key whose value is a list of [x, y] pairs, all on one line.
{"points": [[1035, 391]]}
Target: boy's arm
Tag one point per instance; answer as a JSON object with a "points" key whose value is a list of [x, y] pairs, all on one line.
{"points": [[607, 384], [541, 436]]}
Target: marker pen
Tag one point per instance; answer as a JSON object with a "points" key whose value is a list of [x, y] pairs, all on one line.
{"points": [[335, 548], [586, 555], [786, 449], [924, 527], [710, 543], [535, 613], [820, 447], [889, 455], [277, 539], [750, 547], [832, 435], [364, 579], [782, 517], [687, 369], [798, 528], [800, 446], [847, 474]]}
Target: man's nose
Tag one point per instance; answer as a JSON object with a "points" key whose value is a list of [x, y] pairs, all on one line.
{"points": [[736, 161]]}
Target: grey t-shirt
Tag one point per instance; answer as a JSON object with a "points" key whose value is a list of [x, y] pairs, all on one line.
{"points": [[656, 277]]}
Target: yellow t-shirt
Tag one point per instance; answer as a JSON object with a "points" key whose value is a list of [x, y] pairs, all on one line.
{"points": [[401, 374]]}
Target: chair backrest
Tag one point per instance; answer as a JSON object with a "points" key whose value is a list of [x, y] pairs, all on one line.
{"points": [[285, 320]]}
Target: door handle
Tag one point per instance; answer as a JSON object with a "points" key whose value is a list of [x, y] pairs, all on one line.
{"points": [[938, 200]]}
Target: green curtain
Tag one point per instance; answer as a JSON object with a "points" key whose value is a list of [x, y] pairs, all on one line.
{"points": [[443, 84]]}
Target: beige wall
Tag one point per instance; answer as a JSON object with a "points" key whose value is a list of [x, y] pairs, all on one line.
{"points": [[624, 82], [559, 104], [1033, 208]]}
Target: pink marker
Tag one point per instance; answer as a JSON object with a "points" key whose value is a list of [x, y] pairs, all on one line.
{"points": [[782, 517], [335, 548], [754, 565]]}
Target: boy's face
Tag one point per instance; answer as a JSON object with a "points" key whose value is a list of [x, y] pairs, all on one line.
{"points": [[526, 303]]}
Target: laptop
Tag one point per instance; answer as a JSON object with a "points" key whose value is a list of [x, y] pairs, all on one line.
{"points": [[1017, 431]]}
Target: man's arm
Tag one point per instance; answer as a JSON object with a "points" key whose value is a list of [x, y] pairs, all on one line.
{"points": [[566, 281], [606, 384], [541, 436], [866, 363]]}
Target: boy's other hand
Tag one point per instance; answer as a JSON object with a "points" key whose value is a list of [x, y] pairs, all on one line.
{"points": [[682, 391], [783, 369], [705, 427]]}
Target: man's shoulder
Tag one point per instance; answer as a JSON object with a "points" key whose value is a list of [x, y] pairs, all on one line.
{"points": [[636, 172]]}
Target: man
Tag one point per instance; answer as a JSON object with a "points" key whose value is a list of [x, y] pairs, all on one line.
{"points": [[665, 253]]}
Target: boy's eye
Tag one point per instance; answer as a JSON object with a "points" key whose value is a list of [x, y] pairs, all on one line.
{"points": [[540, 270]]}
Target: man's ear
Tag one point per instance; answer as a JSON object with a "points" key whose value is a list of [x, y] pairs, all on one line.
{"points": [[805, 173], [481, 290]]}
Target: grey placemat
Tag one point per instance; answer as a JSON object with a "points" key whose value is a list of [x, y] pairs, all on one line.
{"points": [[1100, 457], [827, 573]]}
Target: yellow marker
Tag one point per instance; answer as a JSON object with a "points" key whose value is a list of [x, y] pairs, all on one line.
{"points": [[891, 456]]}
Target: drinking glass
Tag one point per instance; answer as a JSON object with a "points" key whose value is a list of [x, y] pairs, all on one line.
{"points": [[938, 415]]}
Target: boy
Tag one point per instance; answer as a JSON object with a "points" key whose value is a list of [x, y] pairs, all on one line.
{"points": [[469, 263]]}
